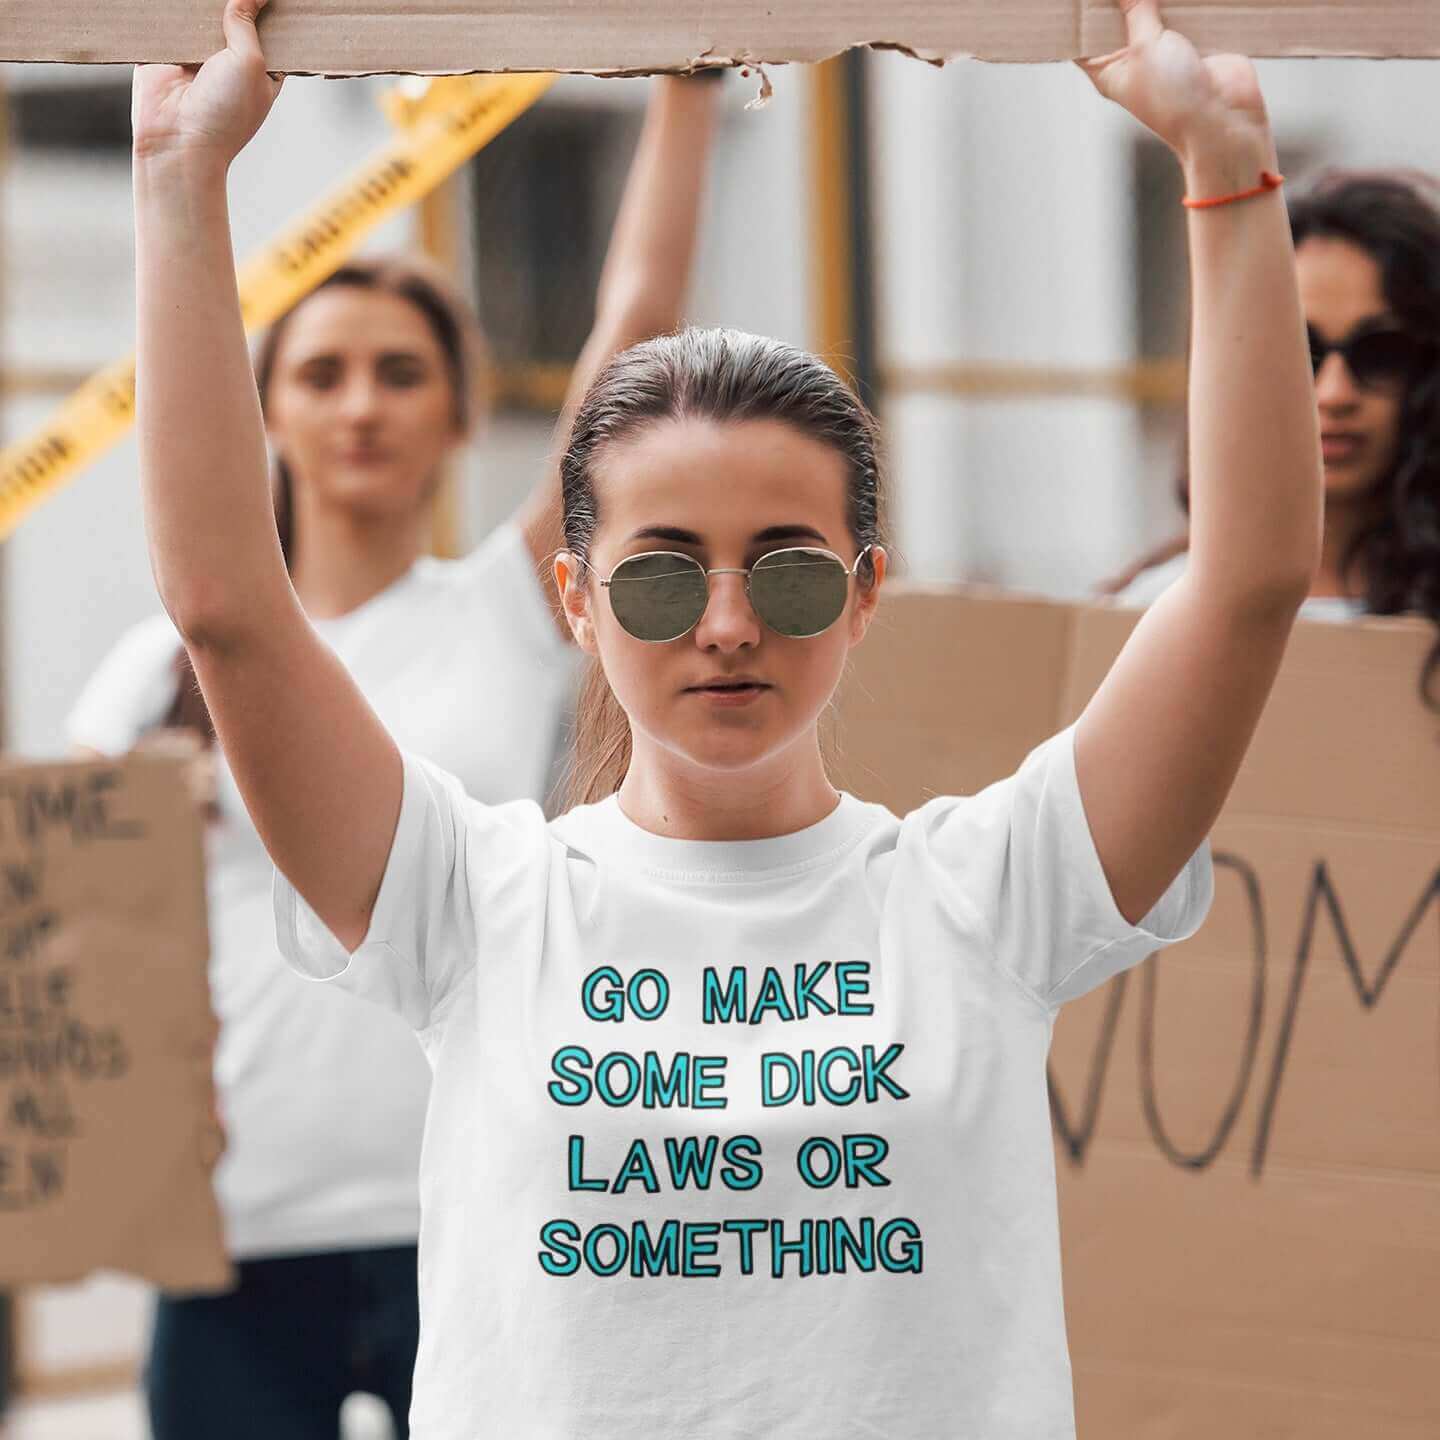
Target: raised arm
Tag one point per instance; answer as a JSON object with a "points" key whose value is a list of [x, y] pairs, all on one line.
{"points": [[319, 774], [1160, 744], [647, 267]]}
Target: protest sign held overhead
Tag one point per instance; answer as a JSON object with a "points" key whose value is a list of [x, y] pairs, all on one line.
{"points": [[341, 37]]}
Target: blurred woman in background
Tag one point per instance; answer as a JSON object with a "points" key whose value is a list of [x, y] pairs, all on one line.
{"points": [[368, 387], [1367, 252]]}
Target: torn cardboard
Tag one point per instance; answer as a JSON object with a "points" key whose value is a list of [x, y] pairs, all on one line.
{"points": [[107, 1135], [348, 37], [1247, 1126]]}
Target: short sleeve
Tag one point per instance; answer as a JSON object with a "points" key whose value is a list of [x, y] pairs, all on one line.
{"points": [[463, 881], [130, 691], [1020, 856]]}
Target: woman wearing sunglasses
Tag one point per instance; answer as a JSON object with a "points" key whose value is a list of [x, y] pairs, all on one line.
{"points": [[739, 1124], [367, 388], [1367, 253]]}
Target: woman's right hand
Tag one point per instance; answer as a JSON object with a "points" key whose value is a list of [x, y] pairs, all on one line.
{"points": [[210, 111]]}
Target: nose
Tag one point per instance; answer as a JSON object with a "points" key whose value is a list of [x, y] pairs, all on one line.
{"points": [[360, 399], [1334, 384], [729, 622]]}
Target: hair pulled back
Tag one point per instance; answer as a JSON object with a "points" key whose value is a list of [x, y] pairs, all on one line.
{"points": [[701, 374]]}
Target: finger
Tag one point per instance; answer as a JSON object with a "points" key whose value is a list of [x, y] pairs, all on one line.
{"points": [[1100, 71], [1142, 21], [239, 23], [1091, 70], [146, 73], [151, 77]]}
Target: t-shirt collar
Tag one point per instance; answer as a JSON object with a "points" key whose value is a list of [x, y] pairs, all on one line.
{"points": [[616, 839]]}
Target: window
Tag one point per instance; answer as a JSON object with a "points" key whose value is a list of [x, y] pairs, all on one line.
{"points": [[92, 117], [545, 193]]}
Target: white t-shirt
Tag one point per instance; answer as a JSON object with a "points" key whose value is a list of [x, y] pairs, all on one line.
{"points": [[324, 1098], [1149, 585], [875, 1251]]}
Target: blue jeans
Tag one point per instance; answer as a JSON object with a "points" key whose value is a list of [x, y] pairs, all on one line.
{"points": [[275, 1358]]}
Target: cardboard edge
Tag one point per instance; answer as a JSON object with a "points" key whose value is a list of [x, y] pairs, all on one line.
{"points": [[715, 60], [702, 60]]}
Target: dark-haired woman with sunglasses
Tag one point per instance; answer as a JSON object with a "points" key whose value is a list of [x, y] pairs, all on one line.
{"points": [[366, 388], [739, 1125], [1368, 260]]}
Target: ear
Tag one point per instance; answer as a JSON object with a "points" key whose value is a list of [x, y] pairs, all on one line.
{"points": [[867, 597], [570, 585]]}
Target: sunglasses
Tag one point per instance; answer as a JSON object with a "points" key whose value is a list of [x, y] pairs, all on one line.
{"points": [[1374, 357], [662, 594]]}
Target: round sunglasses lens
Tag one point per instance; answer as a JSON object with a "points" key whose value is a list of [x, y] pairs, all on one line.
{"points": [[658, 597], [798, 593]]}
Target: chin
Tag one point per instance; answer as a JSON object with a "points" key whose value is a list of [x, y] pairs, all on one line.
{"points": [[1349, 484], [736, 751], [732, 759], [376, 494]]}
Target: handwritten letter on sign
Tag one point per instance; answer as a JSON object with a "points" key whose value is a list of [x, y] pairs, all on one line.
{"points": [[107, 1139]]}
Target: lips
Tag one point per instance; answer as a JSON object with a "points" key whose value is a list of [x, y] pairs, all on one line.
{"points": [[1340, 445], [732, 687]]}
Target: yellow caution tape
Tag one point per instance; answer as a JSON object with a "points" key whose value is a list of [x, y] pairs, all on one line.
{"points": [[457, 116]]}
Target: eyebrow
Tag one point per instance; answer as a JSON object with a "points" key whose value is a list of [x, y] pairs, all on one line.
{"points": [[1381, 320], [334, 357], [677, 536]]}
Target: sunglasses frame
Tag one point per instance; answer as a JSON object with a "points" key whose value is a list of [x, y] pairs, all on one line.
{"points": [[1321, 350], [851, 571]]}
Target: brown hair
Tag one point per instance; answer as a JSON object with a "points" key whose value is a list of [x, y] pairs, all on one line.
{"points": [[723, 375], [458, 335]]}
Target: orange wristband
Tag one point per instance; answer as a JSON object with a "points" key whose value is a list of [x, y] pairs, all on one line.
{"points": [[1269, 180]]}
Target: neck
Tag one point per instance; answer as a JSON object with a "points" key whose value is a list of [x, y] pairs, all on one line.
{"points": [[339, 559], [1342, 523], [785, 793]]}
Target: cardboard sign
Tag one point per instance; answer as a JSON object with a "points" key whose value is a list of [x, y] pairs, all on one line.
{"points": [[107, 1136], [1247, 1126], [347, 37]]}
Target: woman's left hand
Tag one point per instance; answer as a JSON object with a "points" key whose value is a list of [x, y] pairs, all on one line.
{"points": [[1192, 103]]}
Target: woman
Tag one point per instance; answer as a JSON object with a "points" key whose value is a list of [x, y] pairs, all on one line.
{"points": [[1367, 253], [367, 387], [739, 1123]]}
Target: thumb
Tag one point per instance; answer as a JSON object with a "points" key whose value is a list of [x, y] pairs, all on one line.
{"points": [[240, 22]]}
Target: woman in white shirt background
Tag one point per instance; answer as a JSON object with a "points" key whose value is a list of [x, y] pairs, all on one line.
{"points": [[368, 386], [739, 1124], [1367, 253]]}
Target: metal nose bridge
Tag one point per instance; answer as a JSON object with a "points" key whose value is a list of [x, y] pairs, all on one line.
{"points": [[743, 571]]}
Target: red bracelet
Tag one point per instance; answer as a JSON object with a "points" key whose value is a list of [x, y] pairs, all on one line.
{"points": [[1269, 180]]}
